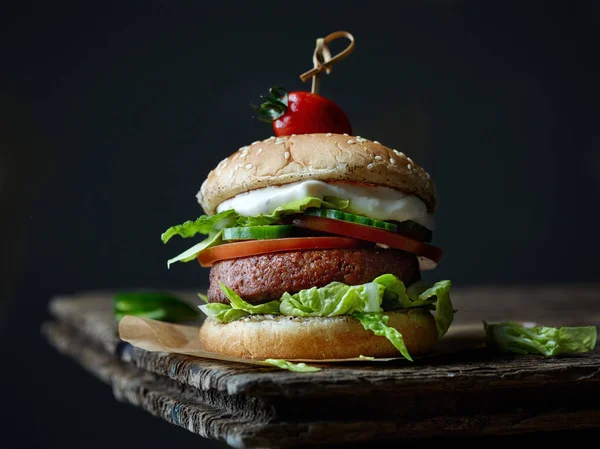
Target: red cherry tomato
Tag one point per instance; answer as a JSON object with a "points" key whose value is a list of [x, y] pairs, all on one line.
{"points": [[311, 113], [302, 113]]}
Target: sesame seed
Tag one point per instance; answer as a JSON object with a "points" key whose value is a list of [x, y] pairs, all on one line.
{"points": [[399, 153], [234, 157], [370, 166], [410, 160], [279, 141], [392, 161], [360, 139], [375, 141], [329, 134], [255, 142], [271, 138], [246, 148], [237, 167], [248, 166], [286, 155], [293, 135], [409, 167], [345, 134], [351, 141], [259, 151], [378, 158], [428, 175]]}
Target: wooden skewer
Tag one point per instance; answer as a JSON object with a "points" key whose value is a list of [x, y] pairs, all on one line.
{"points": [[322, 59]]}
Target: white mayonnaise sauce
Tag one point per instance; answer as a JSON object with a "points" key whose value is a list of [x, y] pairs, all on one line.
{"points": [[380, 203]]}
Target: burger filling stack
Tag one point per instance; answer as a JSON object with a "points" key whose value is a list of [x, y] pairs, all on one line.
{"points": [[316, 243]]}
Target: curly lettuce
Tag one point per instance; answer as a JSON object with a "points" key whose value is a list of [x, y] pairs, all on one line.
{"points": [[334, 299], [420, 295], [366, 302], [237, 307], [191, 253], [206, 224], [549, 341], [377, 323]]}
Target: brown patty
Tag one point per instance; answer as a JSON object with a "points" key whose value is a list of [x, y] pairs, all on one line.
{"points": [[266, 277]]}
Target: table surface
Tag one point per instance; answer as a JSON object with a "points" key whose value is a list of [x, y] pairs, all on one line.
{"points": [[466, 389]]}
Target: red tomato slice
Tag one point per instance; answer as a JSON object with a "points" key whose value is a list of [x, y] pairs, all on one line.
{"points": [[254, 247], [370, 234]]}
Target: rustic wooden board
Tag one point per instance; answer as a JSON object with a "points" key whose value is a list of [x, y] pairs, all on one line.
{"points": [[471, 392]]}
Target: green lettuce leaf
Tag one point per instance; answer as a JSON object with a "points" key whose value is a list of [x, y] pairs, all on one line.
{"points": [[191, 253], [334, 299], [377, 323], [203, 225], [238, 303], [237, 307], [440, 293], [294, 207], [397, 296], [222, 312], [297, 367], [549, 341]]}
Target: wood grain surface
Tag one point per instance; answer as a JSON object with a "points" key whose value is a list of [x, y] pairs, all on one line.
{"points": [[469, 390]]}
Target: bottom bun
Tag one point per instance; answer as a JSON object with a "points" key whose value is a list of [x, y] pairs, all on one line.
{"points": [[316, 338]]}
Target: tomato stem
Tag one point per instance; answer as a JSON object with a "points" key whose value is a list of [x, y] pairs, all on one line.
{"points": [[274, 106]]}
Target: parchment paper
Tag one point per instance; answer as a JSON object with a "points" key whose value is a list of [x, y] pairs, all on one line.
{"points": [[159, 336]]}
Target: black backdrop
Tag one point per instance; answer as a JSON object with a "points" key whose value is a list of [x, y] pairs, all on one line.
{"points": [[112, 114]]}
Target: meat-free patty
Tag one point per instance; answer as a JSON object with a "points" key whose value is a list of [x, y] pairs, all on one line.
{"points": [[266, 277]]}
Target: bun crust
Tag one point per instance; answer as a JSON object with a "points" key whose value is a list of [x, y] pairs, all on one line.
{"points": [[324, 157], [292, 338]]}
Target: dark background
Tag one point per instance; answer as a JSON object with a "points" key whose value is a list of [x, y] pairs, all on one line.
{"points": [[112, 114]]}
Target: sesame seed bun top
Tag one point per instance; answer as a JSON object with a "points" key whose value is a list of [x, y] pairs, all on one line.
{"points": [[324, 157]]}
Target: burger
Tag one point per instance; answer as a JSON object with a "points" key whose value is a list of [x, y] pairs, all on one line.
{"points": [[316, 244]]}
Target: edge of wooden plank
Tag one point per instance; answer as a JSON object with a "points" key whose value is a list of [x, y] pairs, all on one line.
{"points": [[179, 405], [455, 370]]}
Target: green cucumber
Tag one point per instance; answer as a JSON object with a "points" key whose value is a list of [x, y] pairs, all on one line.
{"points": [[351, 218], [414, 230], [408, 228], [259, 232]]}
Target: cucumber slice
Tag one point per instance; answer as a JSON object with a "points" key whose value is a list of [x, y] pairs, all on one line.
{"points": [[408, 228], [259, 232], [358, 219], [414, 230]]}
